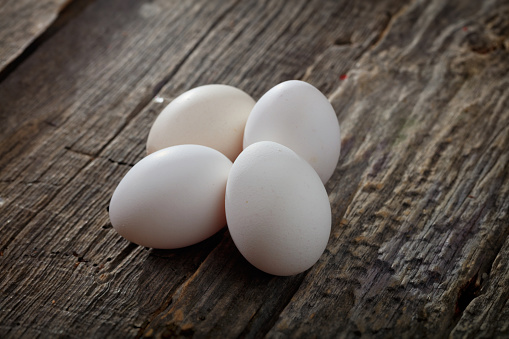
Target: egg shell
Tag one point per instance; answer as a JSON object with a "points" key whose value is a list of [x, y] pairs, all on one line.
{"points": [[172, 198], [297, 115], [277, 210], [211, 115]]}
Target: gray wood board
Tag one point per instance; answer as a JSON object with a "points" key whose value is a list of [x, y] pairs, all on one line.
{"points": [[22, 21], [419, 243]]}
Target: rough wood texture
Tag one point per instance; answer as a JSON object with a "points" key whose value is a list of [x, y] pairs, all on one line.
{"points": [[21, 22], [419, 244]]}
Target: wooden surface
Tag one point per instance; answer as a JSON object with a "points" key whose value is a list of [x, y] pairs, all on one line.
{"points": [[420, 198], [22, 21]]}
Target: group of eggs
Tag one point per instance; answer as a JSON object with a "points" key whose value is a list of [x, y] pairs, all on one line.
{"points": [[216, 157]]}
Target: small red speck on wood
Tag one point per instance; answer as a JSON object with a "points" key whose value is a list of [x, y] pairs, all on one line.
{"points": [[465, 28], [343, 77]]}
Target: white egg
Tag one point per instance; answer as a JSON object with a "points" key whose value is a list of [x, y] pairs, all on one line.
{"points": [[211, 115], [172, 198], [277, 210], [299, 116]]}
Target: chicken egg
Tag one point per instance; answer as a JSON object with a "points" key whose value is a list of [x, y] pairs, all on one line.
{"points": [[277, 209], [172, 198], [211, 115], [297, 115]]}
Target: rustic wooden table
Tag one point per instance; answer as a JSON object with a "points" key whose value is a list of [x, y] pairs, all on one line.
{"points": [[420, 197]]}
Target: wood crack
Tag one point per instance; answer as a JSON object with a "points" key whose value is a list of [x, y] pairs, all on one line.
{"points": [[162, 307], [70, 149], [216, 239], [176, 289], [69, 10], [121, 163], [474, 288], [42, 208], [270, 321]]}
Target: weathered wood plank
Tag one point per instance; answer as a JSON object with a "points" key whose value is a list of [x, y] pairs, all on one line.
{"points": [[87, 241], [62, 229], [426, 131], [486, 316], [22, 21], [420, 197]]}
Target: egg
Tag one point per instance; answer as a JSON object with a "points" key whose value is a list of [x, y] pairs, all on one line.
{"points": [[211, 115], [277, 210], [172, 198], [297, 115]]}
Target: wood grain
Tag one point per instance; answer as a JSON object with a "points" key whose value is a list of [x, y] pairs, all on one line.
{"points": [[487, 314], [22, 22], [419, 245]]}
